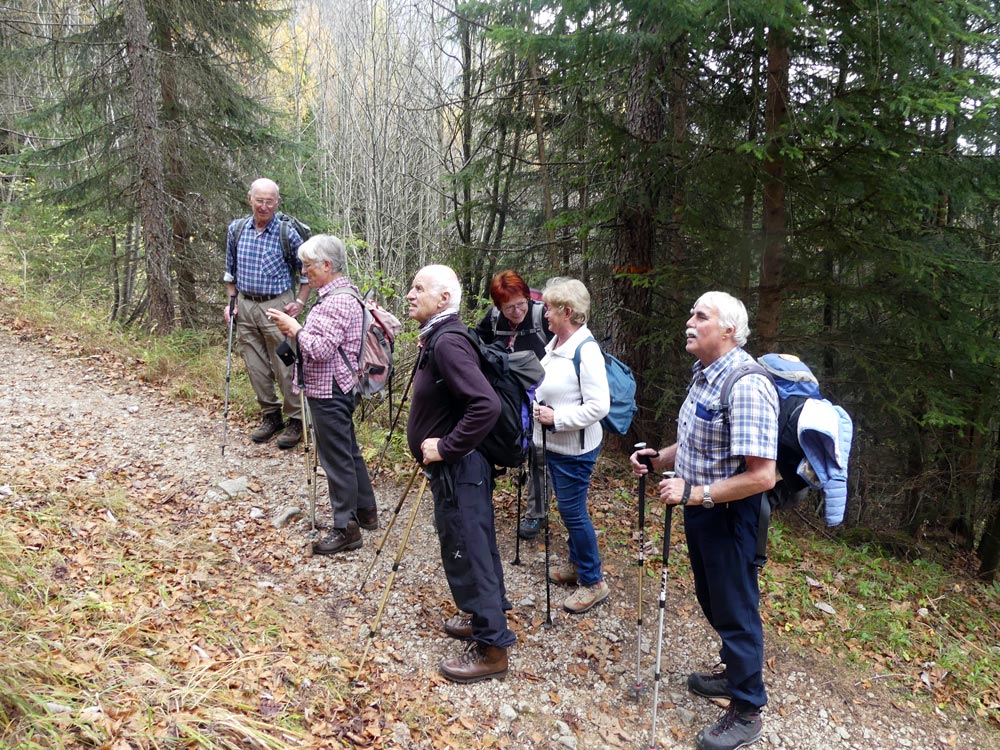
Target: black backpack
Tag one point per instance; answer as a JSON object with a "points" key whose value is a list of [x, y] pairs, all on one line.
{"points": [[285, 221], [514, 377]]}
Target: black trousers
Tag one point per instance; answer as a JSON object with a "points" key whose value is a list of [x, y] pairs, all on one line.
{"points": [[339, 455], [463, 512], [722, 545]]}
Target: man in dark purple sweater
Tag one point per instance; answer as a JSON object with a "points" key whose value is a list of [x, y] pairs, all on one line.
{"points": [[453, 408]]}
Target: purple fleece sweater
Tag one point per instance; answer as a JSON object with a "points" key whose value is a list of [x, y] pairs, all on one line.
{"points": [[452, 399]]}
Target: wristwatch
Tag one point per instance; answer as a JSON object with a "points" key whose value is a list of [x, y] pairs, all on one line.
{"points": [[706, 497]]}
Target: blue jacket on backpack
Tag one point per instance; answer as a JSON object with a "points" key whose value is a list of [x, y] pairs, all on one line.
{"points": [[825, 434]]}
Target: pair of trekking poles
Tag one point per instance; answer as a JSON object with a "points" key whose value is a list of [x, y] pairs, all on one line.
{"points": [[637, 685]]}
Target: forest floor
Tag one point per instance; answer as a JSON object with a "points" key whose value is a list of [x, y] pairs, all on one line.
{"points": [[74, 419]]}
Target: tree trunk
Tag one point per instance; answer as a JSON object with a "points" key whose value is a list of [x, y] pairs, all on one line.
{"points": [[149, 156], [989, 545], [775, 229], [636, 235]]}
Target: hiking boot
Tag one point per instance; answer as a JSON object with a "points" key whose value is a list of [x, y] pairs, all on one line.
{"points": [[291, 435], [586, 597], [459, 626], [339, 540], [733, 730], [368, 518], [479, 662], [530, 527], [270, 423], [563, 574], [709, 684]]}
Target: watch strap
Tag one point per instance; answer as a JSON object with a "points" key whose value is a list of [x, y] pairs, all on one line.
{"points": [[687, 493]]}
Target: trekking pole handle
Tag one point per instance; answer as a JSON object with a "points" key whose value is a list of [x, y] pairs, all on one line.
{"points": [[646, 461], [232, 305]]}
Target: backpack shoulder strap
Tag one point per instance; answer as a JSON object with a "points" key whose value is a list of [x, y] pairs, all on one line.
{"points": [[538, 320], [577, 355], [427, 353], [725, 404], [236, 227], [576, 365], [284, 223], [738, 373]]}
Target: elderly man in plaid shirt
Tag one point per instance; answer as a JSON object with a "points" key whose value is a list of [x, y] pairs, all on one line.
{"points": [[329, 344], [722, 471]]}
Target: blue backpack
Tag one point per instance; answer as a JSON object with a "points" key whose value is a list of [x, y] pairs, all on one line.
{"points": [[621, 383]]}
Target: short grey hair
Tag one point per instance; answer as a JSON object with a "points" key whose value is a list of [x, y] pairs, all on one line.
{"points": [[732, 313], [325, 247], [565, 292], [264, 183], [444, 279]]}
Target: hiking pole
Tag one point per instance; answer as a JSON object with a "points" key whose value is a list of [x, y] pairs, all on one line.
{"points": [[517, 518], [388, 528], [373, 629], [668, 515], [311, 454], [545, 489], [395, 421], [229, 370], [309, 440], [647, 461]]}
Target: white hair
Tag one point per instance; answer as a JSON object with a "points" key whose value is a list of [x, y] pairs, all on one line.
{"points": [[444, 279], [732, 314]]}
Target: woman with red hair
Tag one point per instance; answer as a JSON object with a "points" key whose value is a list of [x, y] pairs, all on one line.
{"points": [[518, 322]]}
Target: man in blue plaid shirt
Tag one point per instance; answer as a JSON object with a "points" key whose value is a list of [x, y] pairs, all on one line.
{"points": [[258, 276], [722, 471]]}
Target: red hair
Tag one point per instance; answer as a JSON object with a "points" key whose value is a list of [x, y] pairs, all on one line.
{"points": [[506, 286]]}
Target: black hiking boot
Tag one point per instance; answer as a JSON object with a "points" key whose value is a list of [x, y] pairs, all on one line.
{"points": [[733, 730], [712, 684], [270, 424]]}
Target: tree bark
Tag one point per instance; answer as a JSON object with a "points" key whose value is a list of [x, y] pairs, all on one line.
{"points": [[149, 157], [774, 219]]}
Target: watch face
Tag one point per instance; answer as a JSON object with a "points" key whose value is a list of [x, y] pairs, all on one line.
{"points": [[708, 503]]}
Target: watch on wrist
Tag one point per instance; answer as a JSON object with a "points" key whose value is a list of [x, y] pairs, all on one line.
{"points": [[301, 302], [687, 493], [706, 498]]}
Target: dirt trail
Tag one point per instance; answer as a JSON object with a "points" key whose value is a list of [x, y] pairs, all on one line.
{"points": [[567, 684]]}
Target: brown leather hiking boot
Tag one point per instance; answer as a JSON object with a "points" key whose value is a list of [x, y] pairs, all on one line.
{"points": [[479, 662], [291, 435], [270, 423], [339, 540], [459, 626]]}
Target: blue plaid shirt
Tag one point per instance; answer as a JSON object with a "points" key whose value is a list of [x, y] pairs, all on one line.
{"points": [[258, 265], [708, 451]]}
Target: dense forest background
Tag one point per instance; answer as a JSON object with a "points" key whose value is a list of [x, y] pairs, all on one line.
{"points": [[833, 164]]}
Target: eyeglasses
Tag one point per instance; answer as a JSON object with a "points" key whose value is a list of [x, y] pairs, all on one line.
{"points": [[265, 202], [516, 307], [307, 267]]}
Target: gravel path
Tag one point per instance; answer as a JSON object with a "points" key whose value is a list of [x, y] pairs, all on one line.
{"points": [[568, 683]]}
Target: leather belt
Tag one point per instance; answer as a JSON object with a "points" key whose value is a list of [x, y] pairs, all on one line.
{"points": [[260, 297]]}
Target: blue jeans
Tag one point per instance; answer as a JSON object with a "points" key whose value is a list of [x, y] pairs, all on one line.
{"points": [[570, 481]]}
